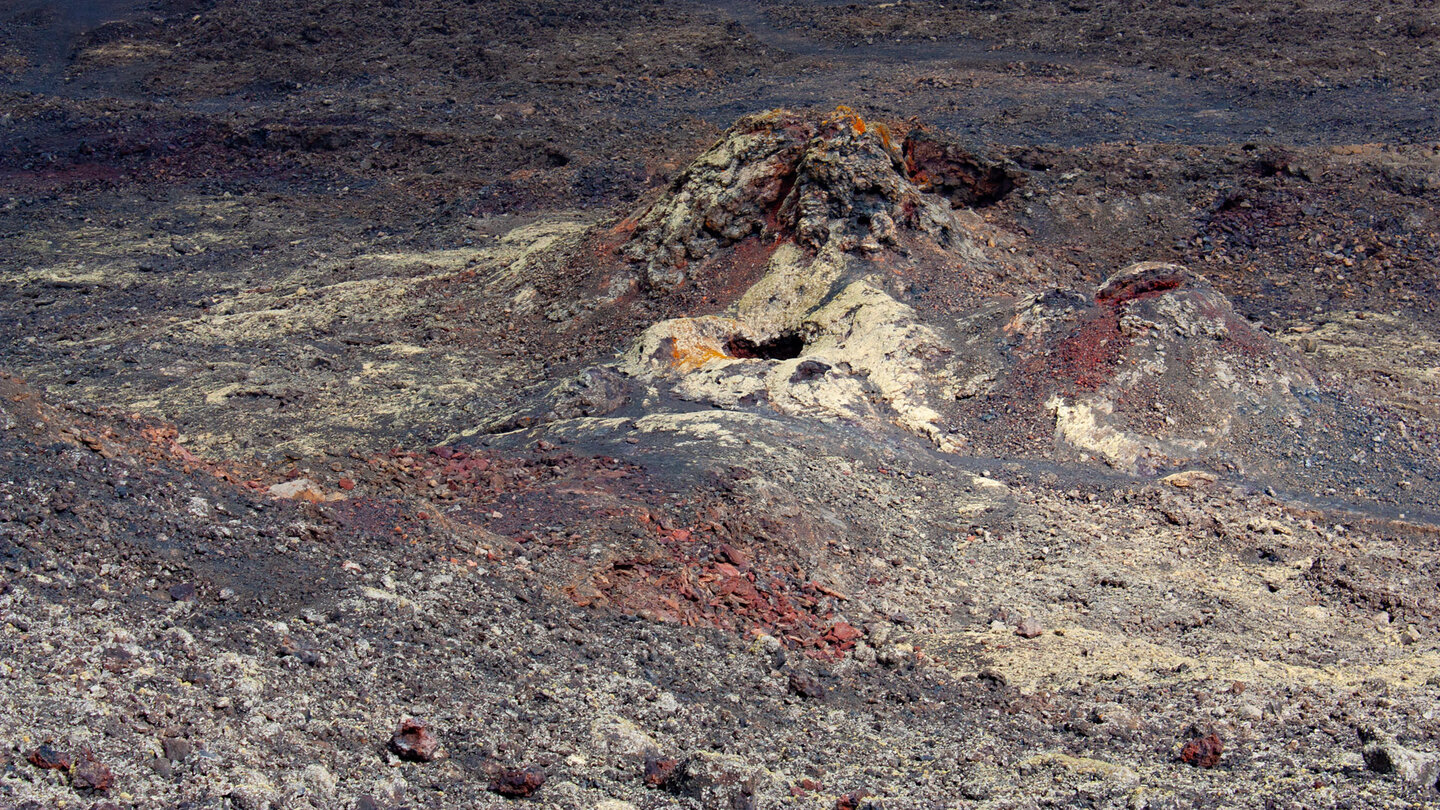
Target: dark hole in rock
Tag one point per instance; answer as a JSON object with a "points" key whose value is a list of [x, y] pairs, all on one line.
{"points": [[809, 370], [783, 347]]}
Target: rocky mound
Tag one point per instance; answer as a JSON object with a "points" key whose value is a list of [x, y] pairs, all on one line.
{"points": [[1151, 372], [1157, 371], [838, 180]]}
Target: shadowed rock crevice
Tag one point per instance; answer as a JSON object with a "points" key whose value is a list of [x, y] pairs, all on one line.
{"points": [[780, 347], [939, 165]]}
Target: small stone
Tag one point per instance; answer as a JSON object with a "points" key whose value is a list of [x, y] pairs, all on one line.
{"points": [[302, 489], [176, 749], [806, 686], [852, 800], [414, 741], [182, 592], [724, 780], [226, 594], [318, 781], [659, 770], [616, 736], [162, 767], [892, 655], [118, 660], [1203, 752], [842, 634], [518, 782], [1188, 479], [667, 704], [49, 757], [1384, 755], [90, 773], [1029, 628]]}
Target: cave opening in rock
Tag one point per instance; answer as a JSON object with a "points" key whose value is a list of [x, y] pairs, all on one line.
{"points": [[782, 347]]}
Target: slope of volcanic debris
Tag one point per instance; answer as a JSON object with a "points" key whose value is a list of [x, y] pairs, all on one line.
{"points": [[434, 404]]}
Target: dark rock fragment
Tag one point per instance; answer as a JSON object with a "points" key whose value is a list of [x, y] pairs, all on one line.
{"points": [[182, 592], [809, 370], [806, 686], [49, 757], [89, 773], [162, 767], [1383, 754], [118, 659], [659, 770], [176, 749], [518, 782], [414, 741], [1203, 752]]}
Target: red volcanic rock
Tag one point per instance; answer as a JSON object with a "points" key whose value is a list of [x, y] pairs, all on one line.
{"points": [[659, 771], [90, 773], [519, 782], [49, 758], [414, 741], [941, 166], [842, 634], [1203, 752]]}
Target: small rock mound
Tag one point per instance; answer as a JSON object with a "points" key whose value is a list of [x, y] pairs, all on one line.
{"points": [[838, 181], [1158, 371]]}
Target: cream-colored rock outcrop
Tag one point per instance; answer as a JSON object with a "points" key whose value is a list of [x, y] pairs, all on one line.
{"points": [[865, 355]]}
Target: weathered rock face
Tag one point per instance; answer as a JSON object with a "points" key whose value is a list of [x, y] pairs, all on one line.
{"points": [[837, 181], [851, 188], [730, 192], [817, 337]]}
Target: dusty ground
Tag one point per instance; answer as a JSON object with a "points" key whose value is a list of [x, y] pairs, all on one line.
{"points": [[375, 361]]}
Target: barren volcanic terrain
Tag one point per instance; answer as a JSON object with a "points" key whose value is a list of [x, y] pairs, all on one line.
{"points": [[734, 404]]}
